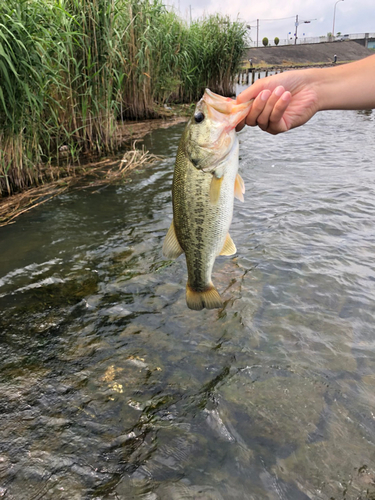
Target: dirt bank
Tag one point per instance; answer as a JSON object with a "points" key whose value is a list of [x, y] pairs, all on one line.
{"points": [[306, 54], [132, 130], [96, 173]]}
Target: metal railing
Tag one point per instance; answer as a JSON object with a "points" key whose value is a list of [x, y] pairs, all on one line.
{"points": [[318, 39]]}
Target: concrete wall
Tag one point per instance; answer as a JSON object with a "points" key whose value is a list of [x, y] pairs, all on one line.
{"points": [[347, 50]]}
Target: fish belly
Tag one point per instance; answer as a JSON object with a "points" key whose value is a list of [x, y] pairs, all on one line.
{"points": [[201, 226]]}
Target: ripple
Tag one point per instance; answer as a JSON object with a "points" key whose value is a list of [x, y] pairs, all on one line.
{"points": [[111, 387]]}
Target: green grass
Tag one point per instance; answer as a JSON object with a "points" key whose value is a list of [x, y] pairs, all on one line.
{"points": [[71, 70]]}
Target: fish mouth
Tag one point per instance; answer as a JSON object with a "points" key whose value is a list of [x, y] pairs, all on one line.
{"points": [[224, 114], [218, 102], [226, 109]]}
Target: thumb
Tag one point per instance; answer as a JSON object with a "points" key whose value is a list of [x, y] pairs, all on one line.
{"points": [[251, 92], [241, 125]]}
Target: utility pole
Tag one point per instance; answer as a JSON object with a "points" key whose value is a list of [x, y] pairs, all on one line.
{"points": [[295, 34], [257, 32], [297, 23]]}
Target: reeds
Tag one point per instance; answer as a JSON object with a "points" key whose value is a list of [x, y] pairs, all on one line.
{"points": [[70, 70]]}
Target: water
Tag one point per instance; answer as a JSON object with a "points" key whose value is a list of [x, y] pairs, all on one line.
{"points": [[245, 80], [111, 388]]}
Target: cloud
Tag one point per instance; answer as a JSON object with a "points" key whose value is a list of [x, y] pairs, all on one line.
{"points": [[351, 16]]}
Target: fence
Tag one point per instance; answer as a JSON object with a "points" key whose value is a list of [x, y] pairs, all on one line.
{"points": [[248, 76], [318, 39]]}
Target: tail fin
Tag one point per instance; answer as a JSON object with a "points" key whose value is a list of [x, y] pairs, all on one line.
{"points": [[209, 298]]}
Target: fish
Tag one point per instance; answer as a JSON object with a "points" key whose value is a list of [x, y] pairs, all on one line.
{"points": [[205, 182]]}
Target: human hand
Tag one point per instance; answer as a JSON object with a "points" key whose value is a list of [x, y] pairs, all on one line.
{"points": [[276, 109]]}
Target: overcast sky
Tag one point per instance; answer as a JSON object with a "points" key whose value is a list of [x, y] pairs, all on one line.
{"points": [[352, 16]]}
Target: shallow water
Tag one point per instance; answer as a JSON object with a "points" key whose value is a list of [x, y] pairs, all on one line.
{"points": [[111, 388]]}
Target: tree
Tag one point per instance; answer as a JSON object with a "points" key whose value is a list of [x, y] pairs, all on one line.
{"points": [[276, 41], [265, 41]]}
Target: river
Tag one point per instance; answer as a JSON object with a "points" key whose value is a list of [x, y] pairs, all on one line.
{"points": [[111, 388]]}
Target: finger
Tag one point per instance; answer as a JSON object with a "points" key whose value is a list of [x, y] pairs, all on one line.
{"points": [[263, 120], [280, 107], [240, 126], [257, 108], [277, 121], [251, 92]]}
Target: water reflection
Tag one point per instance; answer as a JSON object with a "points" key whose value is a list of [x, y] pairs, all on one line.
{"points": [[112, 388]]}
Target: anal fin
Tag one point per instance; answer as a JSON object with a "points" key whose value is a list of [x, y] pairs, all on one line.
{"points": [[171, 247], [229, 247], [239, 188]]}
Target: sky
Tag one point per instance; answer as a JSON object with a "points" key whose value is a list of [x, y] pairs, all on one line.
{"points": [[278, 18]]}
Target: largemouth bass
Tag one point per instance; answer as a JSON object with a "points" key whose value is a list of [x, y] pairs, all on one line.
{"points": [[205, 182]]}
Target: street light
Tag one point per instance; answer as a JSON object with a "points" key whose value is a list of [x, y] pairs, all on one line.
{"points": [[334, 15]]}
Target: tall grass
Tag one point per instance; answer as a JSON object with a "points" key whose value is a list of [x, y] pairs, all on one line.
{"points": [[22, 93], [70, 70]]}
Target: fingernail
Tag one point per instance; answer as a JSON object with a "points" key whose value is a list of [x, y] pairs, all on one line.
{"points": [[279, 91], [286, 96]]}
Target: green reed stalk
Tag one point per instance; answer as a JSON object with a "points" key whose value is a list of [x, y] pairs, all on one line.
{"points": [[71, 69]]}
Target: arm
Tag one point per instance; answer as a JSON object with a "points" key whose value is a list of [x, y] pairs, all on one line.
{"points": [[290, 99]]}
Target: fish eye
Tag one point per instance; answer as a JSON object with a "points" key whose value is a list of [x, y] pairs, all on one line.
{"points": [[199, 117]]}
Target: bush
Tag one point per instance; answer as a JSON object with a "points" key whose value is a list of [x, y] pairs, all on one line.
{"points": [[276, 40], [265, 41]]}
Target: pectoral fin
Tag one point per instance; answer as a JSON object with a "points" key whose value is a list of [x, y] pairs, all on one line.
{"points": [[171, 247], [229, 247], [215, 189], [239, 188]]}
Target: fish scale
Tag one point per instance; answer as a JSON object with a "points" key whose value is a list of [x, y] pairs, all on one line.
{"points": [[204, 184], [201, 227]]}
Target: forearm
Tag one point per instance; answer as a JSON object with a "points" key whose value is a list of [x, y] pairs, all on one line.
{"points": [[290, 99], [347, 86]]}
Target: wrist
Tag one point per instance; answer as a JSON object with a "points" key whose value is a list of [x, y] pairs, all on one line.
{"points": [[324, 82]]}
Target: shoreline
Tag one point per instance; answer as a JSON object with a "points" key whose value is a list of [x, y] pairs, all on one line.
{"points": [[91, 171]]}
